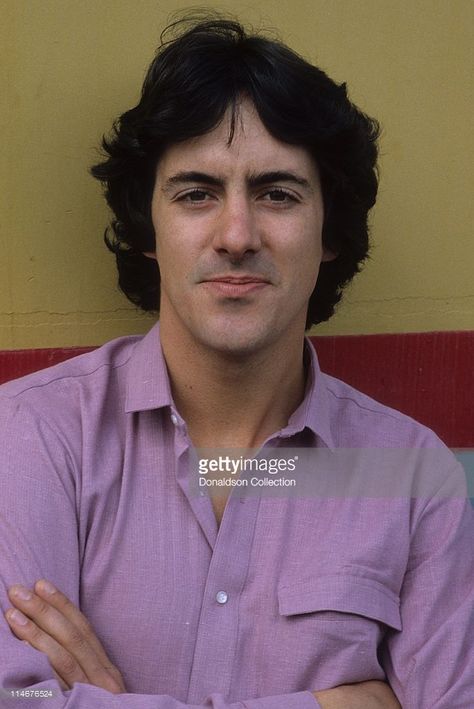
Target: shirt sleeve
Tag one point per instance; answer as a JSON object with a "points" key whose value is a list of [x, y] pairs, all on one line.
{"points": [[85, 696], [429, 663], [38, 480]]}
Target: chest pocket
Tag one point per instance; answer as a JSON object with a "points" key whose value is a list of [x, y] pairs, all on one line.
{"points": [[338, 598]]}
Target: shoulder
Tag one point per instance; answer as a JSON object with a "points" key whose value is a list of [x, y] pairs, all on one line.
{"points": [[402, 454], [58, 391], [359, 420]]}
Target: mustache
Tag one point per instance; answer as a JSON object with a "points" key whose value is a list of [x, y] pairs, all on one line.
{"points": [[260, 269]]}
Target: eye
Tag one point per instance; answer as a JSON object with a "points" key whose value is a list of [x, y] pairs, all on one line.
{"points": [[194, 196], [279, 196]]}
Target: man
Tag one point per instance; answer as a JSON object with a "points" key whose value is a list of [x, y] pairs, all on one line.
{"points": [[240, 186]]}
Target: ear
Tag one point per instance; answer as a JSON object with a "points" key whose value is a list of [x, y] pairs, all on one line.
{"points": [[329, 255], [150, 254]]}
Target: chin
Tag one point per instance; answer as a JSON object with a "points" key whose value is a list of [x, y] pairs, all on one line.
{"points": [[229, 341]]}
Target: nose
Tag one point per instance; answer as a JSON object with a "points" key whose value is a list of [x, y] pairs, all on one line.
{"points": [[236, 232]]}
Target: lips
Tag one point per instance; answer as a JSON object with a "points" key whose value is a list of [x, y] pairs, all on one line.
{"points": [[235, 286], [236, 279]]}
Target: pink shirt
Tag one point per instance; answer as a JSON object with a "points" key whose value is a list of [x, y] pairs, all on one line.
{"points": [[291, 594]]}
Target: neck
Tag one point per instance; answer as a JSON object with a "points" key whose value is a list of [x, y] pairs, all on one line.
{"points": [[234, 401]]}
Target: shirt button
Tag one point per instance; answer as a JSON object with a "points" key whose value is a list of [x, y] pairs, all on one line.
{"points": [[174, 419], [222, 597]]}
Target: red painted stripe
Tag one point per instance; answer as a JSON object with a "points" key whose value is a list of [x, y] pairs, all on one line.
{"points": [[17, 363], [427, 375]]}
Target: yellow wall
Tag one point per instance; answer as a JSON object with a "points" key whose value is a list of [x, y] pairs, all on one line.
{"points": [[71, 66]]}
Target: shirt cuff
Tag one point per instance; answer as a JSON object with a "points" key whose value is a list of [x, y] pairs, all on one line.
{"points": [[298, 700]]}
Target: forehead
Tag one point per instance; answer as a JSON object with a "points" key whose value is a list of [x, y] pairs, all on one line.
{"points": [[250, 149]]}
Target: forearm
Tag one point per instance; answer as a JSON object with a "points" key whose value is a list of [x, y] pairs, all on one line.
{"points": [[55, 627], [365, 695], [85, 696]]}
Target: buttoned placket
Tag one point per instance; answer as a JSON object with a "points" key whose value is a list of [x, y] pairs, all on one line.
{"points": [[231, 545]]}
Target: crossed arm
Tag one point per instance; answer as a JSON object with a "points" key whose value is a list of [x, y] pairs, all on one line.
{"points": [[429, 663], [47, 620]]}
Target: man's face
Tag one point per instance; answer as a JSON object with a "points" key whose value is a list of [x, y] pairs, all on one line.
{"points": [[238, 237]]}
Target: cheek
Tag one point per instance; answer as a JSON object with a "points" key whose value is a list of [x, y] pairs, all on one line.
{"points": [[164, 229], [308, 276], [163, 240], [306, 260], [176, 262]]}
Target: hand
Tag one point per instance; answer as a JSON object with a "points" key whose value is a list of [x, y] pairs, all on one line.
{"points": [[365, 695], [53, 625]]}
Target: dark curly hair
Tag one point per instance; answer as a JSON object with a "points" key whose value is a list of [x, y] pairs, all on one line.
{"points": [[194, 78]]}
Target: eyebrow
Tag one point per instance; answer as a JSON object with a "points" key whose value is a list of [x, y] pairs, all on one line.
{"points": [[257, 180]]}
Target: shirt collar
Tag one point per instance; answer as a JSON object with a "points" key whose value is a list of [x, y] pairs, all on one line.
{"points": [[148, 384], [148, 388], [314, 410]]}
